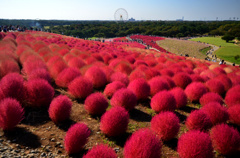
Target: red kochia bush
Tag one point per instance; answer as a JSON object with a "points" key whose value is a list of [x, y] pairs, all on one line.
{"points": [[225, 139], [182, 79], [101, 151], [39, 92], [115, 121], [227, 83], [143, 143], [96, 104], [65, 77], [195, 144], [210, 97], [97, 76], [12, 86], [180, 97], [195, 90], [76, 62], [232, 96], [216, 112], [163, 101], [140, 87], [215, 86], [165, 125], [198, 120], [157, 84], [234, 114], [80, 87], [119, 76], [8, 66], [60, 109], [76, 137], [11, 113], [124, 98], [111, 88], [40, 73]]}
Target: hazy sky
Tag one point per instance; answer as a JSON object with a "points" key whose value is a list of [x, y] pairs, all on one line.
{"points": [[105, 9]]}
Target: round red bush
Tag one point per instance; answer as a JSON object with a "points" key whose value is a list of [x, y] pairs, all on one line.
{"points": [[180, 97], [80, 87], [40, 74], [124, 98], [119, 76], [65, 77], [143, 143], [115, 121], [56, 68], [234, 114], [111, 88], [140, 88], [96, 104], [8, 66], [171, 83], [198, 120], [216, 112], [137, 74], [210, 97], [11, 113], [39, 92], [76, 62], [60, 109], [182, 79], [12, 86], [101, 151], [215, 86], [232, 96], [165, 125], [167, 72], [163, 101], [196, 78], [157, 84], [225, 139], [227, 83], [195, 144], [76, 137], [97, 76], [195, 91]]}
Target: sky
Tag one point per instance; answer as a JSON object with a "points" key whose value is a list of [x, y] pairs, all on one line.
{"points": [[105, 9]]}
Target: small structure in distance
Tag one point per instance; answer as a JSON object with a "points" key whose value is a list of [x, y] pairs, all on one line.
{"points": [[121, 15]]}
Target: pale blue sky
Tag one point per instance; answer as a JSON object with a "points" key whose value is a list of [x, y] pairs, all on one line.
{"points": [[104, 9]]}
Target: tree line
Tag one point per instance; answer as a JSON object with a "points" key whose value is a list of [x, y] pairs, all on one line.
{"points": [[108, 29]]}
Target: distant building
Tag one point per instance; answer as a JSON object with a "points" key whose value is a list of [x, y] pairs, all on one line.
{"points": [[132, 19], [180, 19]]}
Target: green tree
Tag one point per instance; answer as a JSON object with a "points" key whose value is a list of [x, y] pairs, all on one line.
{"points": [[228, 37]]}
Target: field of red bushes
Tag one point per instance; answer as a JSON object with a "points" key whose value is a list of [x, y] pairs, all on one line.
{"points": [[82, 98]]}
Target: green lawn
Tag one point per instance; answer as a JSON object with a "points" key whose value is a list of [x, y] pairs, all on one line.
{"points": [[227, 51]]}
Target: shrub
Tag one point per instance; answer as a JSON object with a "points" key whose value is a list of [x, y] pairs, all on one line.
{"points": [[80, 87], [30, 66], [216, 112], [151, 72], [157, 84], [196, 78], [65, 77], [198, 120], [123, 67], [136, 74], [60, 109], [170, 82], [225, 139], [195, 91], [215, 86], [163, 101], [180, 97], [76, 63], [97, 76], [8, 66], [124, 98], [11, 113], [227, 83], [210, 97], [232, 96], [182, 79], [195, 144], [39, 92], [12, 86], [40, 74], [111, 88], [165, 125], [143, 143], [234, 114], [56, 68], [115, 121], [76, 137], [96, 104], [101, 151], [119, 76], [167, 72], [140, 87]]}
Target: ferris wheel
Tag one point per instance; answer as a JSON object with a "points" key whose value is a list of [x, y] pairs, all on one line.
{"points": [[121, 15]]}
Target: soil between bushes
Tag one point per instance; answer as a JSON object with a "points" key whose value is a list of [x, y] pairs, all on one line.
{"points": [[38, 136]]}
